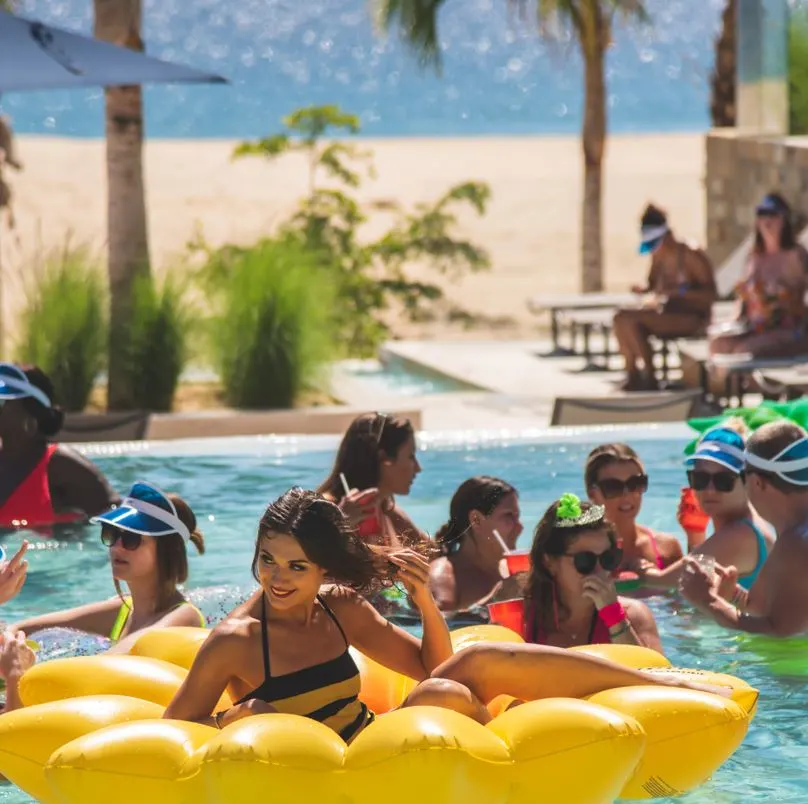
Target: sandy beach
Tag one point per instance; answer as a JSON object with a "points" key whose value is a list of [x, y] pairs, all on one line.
{"points": [[532, 229]]}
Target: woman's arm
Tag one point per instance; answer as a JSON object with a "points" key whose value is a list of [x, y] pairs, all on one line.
{"points": [[94, 618], [78, 484], [210, 675], [641, 628], [405, 528], [389, 645], [185, 615]]}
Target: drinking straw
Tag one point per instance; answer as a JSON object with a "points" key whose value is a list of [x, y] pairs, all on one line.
{"points": [[501, 542], [345, 485]]}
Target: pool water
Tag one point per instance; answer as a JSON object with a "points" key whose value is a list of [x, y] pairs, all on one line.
{"points": [[229, 489], [397, 378]]}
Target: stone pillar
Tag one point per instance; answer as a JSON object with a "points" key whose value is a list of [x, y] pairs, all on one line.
{"points": [[762, 29]]}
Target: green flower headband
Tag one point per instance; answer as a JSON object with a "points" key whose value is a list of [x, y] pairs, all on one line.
{"points": [[569, 513]]}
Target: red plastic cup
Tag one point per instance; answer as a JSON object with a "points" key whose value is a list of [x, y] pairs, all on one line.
{"points": [[508, 613], [693, 517], [518, 561]]}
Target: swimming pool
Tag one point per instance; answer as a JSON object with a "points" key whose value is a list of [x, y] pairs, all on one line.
{"points": [[396, 377], [229, 481]]}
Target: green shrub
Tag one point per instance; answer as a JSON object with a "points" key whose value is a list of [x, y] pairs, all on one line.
{"points": [[162, 323], [798, 72], [271, 330], [64, 324]]}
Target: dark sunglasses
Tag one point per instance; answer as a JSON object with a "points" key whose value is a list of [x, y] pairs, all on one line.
{"points": [[723, 482], [586, 561], [611, 487], [129, 540]]}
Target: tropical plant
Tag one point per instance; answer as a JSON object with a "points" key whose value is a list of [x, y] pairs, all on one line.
{"points": [[798, 72], [157, 345], [592, 23], [120, 21], [369, 277], [64, 326], [271, 328]]}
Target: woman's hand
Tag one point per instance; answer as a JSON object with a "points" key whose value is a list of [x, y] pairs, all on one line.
{"points": [[601, 591], [413, 570], [359, 505], [15, 656], [13, 574]]}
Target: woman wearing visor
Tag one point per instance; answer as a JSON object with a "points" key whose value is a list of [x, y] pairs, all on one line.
{"points": [[41, 484], [715, 472], [146, 536], [682, 291]]}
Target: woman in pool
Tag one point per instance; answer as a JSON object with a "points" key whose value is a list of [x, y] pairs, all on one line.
{"points": [[288, 652], [468, 571], [739, 538], [41, 484], [615, 478], [146, 536], [377, 461], [571, 598]]}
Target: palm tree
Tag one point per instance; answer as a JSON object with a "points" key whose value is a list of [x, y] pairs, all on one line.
{"points": [[722, 97], [592, 22], [119, 21]]}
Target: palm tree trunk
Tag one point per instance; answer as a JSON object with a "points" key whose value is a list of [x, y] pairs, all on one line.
{"points": [[594, 144], [722, 101], [119, 21]]}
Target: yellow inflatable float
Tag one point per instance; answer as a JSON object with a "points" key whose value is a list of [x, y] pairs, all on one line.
{"points": [[91, 732]]}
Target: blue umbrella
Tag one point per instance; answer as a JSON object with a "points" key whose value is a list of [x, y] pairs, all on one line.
{"points": [[36, 56]]}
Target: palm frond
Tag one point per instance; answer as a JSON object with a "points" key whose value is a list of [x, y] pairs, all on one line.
{"points": [[417, 21]]}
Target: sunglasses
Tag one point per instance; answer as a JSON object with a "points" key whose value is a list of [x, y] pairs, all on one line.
{"points": [[723, 482], [586, 561], [611, 487], [129, 540]]}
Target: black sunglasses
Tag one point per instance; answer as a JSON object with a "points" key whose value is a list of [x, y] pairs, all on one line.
{"points": [[723, 482], [586, 561], [129, 540], [611, 487]]}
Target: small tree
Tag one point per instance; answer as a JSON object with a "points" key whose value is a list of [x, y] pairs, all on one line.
{"points": [[369, 275]]}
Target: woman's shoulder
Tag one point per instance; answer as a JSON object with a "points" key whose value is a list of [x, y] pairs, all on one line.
{"points": [[668, 545]]}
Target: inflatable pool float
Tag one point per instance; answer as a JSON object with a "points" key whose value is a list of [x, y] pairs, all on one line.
{"points": [[627, 582], [92, 729]]}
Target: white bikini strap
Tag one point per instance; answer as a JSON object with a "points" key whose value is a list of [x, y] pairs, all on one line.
{"points": [[156, 512]]}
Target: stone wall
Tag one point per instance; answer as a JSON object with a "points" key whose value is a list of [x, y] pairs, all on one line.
{"points": [[740, 170]]}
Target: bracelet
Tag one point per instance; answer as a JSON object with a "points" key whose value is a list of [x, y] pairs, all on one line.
{"points": [[623, 629], [613, 614], [217, 719], [737, 597]]}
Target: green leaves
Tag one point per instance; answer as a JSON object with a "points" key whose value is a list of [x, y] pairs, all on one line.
{"points": [[370, 277]]}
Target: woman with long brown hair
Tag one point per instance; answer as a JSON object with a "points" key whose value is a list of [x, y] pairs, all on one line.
{"points": [[146, 536], [376, 461], [571, 597]]}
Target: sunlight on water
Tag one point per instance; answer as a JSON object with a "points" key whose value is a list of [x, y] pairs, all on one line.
{"points": [[228, 494], [499, 77]]}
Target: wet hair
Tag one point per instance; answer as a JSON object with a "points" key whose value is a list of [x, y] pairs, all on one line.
{"points": [[770, 440], [787, 238], [550, 540], [327, 538], [358, 456], [171, 556], [653, 216], [49, 421], [481, 494], [603, 456]]}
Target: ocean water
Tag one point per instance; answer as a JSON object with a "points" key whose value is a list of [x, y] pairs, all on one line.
{"points": [[499, 76], [229, 485]]}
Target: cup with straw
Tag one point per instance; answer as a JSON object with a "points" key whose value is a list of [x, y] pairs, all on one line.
{"points": [[513, 561]]}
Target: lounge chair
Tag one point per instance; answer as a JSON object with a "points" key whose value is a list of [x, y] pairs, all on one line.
{"points": [[85, 427], [660, 406]]}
